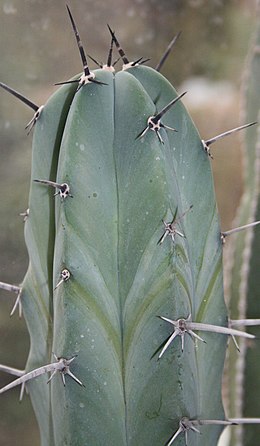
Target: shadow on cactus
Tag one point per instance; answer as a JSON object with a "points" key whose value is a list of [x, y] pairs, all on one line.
{"points": [[125, 267]]}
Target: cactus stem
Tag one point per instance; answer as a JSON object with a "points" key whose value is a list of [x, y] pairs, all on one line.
{"points": [[182, 326], [65, 276], [170, 228], [210, 141], [64, 189], [15, 289], [61, 365], [240, 228], [154, 122], [167, 52], [25, 214]]}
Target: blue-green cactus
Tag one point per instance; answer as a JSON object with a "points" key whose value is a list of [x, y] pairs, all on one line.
{"points": [[126, 258]]}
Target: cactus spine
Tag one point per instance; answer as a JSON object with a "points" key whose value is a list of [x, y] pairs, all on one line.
{"points": [[125, 281]]}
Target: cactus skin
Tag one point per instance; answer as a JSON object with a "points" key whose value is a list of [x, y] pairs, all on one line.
{"points": [[243, 282], [121, 279]]}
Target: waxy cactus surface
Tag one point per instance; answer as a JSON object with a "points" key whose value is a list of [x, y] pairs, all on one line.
{"points": [[123, 296]]}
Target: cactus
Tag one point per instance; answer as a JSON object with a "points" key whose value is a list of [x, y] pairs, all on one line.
{"points": [[126, 257], [243, 260]]}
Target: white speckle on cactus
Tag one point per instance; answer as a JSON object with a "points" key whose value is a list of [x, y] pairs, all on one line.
{"points": [[81, 405], [82, 147]]}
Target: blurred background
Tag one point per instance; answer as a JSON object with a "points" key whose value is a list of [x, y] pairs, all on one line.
{"points": [[38, 48]]}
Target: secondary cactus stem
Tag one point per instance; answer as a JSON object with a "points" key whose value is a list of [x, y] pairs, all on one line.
{"points": [[61, 365], [167, 52], [65, 276], [240, 228], [170, 227], [64, 189], [183, 326], [36, 108], [206, 144], [15, 289], [154, 122]]}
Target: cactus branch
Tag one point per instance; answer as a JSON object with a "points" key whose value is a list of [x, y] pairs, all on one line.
{"points": [[167, 52]]}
